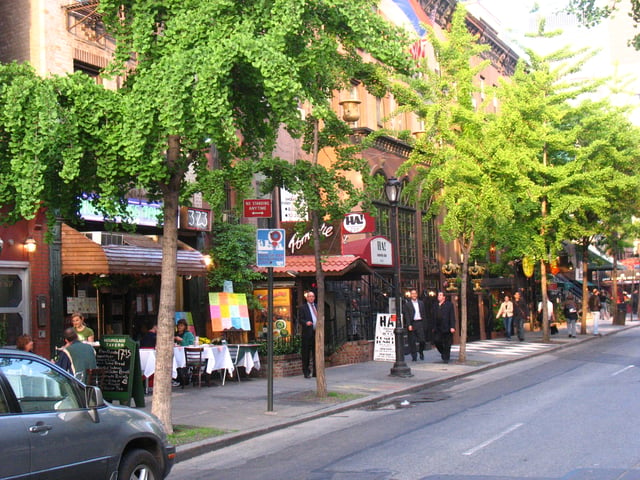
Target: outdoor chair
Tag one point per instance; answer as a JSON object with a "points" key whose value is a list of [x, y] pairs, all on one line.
{"points": [[195, 365], [234, 350], [95, 377]]}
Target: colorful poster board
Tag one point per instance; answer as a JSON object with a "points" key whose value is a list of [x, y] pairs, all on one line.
{"points": [[229, 310], [282, 325], [384, 348]]}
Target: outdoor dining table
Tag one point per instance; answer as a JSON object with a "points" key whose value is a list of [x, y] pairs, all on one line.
{"points": [[217, 356], [248, 356]]}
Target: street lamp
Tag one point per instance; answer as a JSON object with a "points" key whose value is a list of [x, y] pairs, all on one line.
{"points": [[392, 190]]}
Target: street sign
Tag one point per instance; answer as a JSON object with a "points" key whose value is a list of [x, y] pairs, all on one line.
{"points": [[257, 207], [270, 247]]}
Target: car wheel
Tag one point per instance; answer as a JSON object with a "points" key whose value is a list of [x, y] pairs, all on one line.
{"points": [[139, 465]]}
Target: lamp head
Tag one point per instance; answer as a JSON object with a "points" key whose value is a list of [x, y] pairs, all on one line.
{"points": [[392, 190]]}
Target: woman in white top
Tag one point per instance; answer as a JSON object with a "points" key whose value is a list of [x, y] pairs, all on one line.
{"points": [[506, 313]]}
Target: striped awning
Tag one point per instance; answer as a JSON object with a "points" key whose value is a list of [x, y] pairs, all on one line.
{"points": [[138, 255]]}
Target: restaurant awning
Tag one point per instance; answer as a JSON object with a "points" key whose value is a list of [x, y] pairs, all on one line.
{"points": [[332, 265], [138, 255]]}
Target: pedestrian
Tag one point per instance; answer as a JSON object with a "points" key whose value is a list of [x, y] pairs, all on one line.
{"points": [[415, 318], [506, 313], [24, 342], [444, 327], [605, 316], [307, 318], [571, 314], [550, 316], [76, 357], [520, 314], [594, 308]]}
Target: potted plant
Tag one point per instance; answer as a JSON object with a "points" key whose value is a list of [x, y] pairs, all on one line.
{"points": [[102, 283]]}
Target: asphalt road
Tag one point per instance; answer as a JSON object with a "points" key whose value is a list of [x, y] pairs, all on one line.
{"points": [[565, 415]]}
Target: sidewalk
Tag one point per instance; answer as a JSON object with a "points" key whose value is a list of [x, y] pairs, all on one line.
{"points": [[241, 407]]}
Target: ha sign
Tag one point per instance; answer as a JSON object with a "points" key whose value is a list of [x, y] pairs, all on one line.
{"points": [[358, 222]]}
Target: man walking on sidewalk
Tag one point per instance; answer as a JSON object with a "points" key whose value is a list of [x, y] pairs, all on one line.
{"points": [[594, 308], [444, 327], [520, 314], [415, 317]]}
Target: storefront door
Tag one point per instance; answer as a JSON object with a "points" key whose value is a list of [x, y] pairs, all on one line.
{"points": [[14, 301]]}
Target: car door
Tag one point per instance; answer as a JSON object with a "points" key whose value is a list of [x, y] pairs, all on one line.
{"points": [[14, 440], [64, 440]]}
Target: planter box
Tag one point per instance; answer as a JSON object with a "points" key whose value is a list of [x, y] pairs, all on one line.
{"points": [[291, 364], [283, 365]]}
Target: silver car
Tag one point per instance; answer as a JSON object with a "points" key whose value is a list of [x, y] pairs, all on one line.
{"points": [[54, 427]]}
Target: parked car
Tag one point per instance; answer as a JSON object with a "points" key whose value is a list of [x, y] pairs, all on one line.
{"points": [[55, 427]]}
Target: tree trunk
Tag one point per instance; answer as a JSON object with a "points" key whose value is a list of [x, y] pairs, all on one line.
{"points": [[161, 406], [464, 293], [321, 380]]}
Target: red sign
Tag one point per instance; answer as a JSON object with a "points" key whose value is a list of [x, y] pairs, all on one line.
{"points": [[257, 207], [358, 222]]}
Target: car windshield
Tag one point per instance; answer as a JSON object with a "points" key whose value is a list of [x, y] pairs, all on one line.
{"points": [[38, 387]]}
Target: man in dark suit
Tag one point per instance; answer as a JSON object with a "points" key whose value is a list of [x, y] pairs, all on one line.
{"points": [[444, 327], [415, 318], [307, 317]]}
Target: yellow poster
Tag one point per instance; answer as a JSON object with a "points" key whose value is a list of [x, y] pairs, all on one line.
{"points": [[282, 325]]}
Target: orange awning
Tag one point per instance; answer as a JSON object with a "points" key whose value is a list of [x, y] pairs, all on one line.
{"points": [[138, 255]]}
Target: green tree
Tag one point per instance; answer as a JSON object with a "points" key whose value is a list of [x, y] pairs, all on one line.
{"points": [[232, 73], [452, 163], [233, 251], [564, 189]]}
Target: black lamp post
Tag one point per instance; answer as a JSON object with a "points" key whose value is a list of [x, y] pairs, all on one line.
{"points": [[392, 190]]}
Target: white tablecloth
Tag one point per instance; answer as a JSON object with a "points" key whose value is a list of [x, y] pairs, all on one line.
{"points": [[248, 357], [217, 356]]}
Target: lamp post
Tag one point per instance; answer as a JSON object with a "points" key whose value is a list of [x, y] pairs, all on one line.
{"points": [[392, 190]]}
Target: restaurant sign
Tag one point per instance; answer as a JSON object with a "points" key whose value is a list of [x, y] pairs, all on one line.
{"points": [[300, 242]]}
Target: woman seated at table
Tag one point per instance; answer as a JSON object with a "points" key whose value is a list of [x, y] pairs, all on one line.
{"points": [[183, 337]]}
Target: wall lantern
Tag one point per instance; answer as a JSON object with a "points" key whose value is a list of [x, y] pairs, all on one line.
{"points": [[30, 245]]}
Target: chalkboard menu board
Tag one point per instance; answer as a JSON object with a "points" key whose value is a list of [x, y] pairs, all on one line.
{"points": [[119, 356]]}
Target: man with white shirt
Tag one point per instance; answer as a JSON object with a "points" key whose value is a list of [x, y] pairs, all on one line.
{"points": [[307, 318], [415, 318]]}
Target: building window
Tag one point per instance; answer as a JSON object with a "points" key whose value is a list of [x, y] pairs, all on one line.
{"points": [[91, 70], [379, 112], [429, 244]]}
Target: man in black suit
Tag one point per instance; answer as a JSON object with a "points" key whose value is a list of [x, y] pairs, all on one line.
{"points": [[307, 317], [444, 327], [415, 318]]}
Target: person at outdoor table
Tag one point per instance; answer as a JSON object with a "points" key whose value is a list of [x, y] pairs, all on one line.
{"points": [[76, 357], [148, 340], [24, 342], [184, 337], [85, 334]]}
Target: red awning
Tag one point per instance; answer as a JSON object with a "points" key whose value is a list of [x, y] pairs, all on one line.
{"points": [[376, 251], [332, 266]]}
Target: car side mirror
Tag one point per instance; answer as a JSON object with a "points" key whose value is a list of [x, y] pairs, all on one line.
{"points": [[94, 400]]}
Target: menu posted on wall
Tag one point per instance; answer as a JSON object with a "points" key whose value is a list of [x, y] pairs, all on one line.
{"points": [[119, 356], [384, 348]]}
